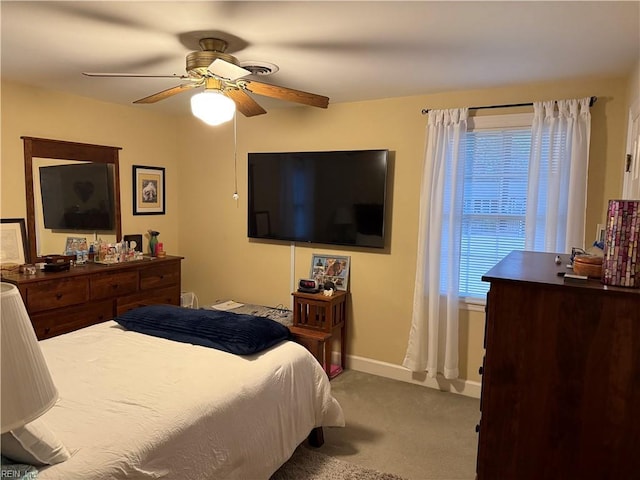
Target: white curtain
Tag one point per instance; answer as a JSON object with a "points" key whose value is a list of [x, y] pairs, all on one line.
{"points": [[433, 339], [557, 193]]}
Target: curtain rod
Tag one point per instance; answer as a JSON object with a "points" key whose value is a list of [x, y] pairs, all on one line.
{"points": [[508, 105]]}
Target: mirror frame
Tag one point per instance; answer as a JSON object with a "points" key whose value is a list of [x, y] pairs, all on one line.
{"points": [[61, 150]]}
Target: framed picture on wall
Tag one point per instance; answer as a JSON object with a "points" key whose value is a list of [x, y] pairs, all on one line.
{"points": [[13, 241], [148, 190], [331, 268], [601, 233]]}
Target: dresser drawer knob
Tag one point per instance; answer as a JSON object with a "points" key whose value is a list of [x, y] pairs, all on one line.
{"points": [[477, 428], [481, 370], [58, 296]]}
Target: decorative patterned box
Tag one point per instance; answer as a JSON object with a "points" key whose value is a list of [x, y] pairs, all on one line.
{"points": [[621, 264]]}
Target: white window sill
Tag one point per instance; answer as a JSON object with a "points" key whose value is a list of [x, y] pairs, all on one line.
{"points": [[472, 304]]}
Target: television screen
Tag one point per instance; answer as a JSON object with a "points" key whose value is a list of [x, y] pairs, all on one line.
{"points": [[335, 197], [78, 196]]}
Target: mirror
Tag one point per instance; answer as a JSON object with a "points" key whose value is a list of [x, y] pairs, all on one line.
{"points": [[40, 153]]}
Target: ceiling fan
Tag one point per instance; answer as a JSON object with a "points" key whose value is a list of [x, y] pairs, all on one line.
{"points": [[221, 72]]}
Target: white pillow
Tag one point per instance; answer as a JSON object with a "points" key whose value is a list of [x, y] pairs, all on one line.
{"points": [[33, 444]]}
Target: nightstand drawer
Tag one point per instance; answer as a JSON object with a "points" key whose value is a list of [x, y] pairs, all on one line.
{"points": [[113, 284], [58, 293]]}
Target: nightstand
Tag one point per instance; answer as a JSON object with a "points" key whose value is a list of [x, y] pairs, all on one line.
{"points": [[316, 321]]}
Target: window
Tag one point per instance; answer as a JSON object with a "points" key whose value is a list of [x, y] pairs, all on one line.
{"points": [[495, 196]]}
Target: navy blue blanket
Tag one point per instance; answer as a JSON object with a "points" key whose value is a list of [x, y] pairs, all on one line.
{"points": [[226, 331]]}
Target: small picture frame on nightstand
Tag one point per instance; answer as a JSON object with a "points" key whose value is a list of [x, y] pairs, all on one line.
{"points": [[331, 268]]}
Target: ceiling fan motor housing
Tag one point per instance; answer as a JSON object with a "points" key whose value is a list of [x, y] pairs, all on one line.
{"points": [[198, 62], [212, 49]]}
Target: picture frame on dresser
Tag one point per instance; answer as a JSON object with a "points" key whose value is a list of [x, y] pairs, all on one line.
{"points": [[148, 190], [76, 244], [13, 241], [134, 241]]}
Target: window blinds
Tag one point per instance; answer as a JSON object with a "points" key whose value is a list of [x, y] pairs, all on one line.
{"points": [[494, 205]]}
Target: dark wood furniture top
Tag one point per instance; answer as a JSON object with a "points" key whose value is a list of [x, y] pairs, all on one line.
{"points": [[540, 268], [60, 302], [561, 375]]}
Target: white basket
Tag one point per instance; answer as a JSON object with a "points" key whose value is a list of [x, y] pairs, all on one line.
{"points": [[188, 300]]}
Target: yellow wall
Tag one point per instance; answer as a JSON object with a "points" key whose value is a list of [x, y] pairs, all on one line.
{"points": [[204, 224], [232, 266], [145, 138]]}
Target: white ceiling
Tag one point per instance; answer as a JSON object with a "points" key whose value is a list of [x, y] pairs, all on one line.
{"points": [[348, 51]]}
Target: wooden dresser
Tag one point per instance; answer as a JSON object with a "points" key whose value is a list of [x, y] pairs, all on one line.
{"points": [[561, 376], [65, 301]]}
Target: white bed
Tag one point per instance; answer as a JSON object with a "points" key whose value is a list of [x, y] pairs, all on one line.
{"points": [[139, 407]]}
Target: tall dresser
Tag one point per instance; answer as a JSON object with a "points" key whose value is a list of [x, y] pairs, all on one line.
{"points": [[61, 302], [561, 375]]}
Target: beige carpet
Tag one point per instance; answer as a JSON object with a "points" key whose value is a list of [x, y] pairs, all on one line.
{"points": [[306, 464], [412, 431]]}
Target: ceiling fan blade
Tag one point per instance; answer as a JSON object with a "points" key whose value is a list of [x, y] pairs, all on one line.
{"points": [[227, 70], [156, 97], [284, 93], [140, 75], [245, 104]]}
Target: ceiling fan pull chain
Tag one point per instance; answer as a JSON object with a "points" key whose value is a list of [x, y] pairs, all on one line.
{"points": [[235, 157]]}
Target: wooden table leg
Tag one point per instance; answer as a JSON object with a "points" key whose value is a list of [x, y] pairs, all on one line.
{"points": [[327, 356]]}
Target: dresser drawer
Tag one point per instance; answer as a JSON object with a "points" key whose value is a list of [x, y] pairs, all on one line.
{"points": [[160, 276], [168, 295], [110, 285], [56, 322], [56, 293]]}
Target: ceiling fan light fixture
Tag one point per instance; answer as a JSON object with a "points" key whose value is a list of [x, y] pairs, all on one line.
{"points": [[212, 107]]}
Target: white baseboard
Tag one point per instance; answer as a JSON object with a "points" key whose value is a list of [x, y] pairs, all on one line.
{"points": [[468, 388]]}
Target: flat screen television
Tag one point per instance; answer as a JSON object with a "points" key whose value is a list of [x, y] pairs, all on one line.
{"points": [[334, 197], [78, 196]]}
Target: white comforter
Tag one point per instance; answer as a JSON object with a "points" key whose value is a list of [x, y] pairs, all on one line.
{"points": [[140, 407]]}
